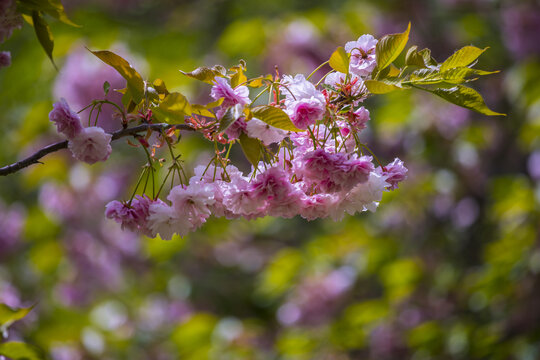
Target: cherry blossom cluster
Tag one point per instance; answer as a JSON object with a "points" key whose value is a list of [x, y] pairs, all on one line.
{"points": [[316, 167], [91, 144]]}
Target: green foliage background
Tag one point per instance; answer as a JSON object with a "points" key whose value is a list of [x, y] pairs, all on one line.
{"points": [[447, 268]]}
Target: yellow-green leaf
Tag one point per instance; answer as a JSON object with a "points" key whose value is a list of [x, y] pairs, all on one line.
{"points": [[465, 97], [381, 86], [201, 110], [8, 315], [420, 58], [51, 7], [275, 117], [462, 57], [135, 83], [339, 60], [238, 78], [44, 34], [251, 148], [173, 108], [160, 87], [20, 351], [390, 46], [453, 76], [202, 73]]}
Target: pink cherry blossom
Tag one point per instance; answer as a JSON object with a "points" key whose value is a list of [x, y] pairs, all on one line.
{"points": [[164, 221], [5, 59], [192, 202], [304, 103], [67, 121], [364, 196], [333, 172], [362, 52], [231, 97], [10, 19], [132, 216], [306, 112], [267, 134], [91, 145], [395, 172]]}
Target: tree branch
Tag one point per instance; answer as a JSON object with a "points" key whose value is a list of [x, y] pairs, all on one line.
{"points": [[34, 158]]}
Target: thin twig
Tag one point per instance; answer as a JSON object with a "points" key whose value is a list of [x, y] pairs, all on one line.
{"points": [[34, 158]]}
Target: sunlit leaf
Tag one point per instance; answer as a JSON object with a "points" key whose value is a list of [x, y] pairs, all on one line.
{"points": [[463, 57], [390, 46], [420, 58], [251, 148], [8, 315], [454, 76], [238, 78], [20, 351], [203, 74], [173, 108], [135, 83], [465, 97], [275, 117], [339, 60], [381, 86], [160, 87], [201, 110], [259, 81], [44, 34]]}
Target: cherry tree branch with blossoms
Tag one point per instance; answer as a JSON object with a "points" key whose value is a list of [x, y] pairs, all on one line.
{"points": [[35, 157], [303, 144]]}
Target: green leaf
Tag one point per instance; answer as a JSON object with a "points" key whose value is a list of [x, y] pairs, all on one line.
{"points": [[135, 83], [420, 58], [201, 110], [275, 117], [462, 57], [21, 351], [251, 148], [8, 315], [160, 87], [390, 46], [339, 60], [453, 76], [203, 73], [106, 87], [465, 97], [382, 86], [228, 119], [52, 7], [44, 34], [173, 108]]}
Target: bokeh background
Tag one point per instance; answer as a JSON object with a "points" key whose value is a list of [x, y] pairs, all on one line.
{"points": [[447, 268]]}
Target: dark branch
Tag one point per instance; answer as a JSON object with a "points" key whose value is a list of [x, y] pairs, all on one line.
{"points": [[34, 158]]}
